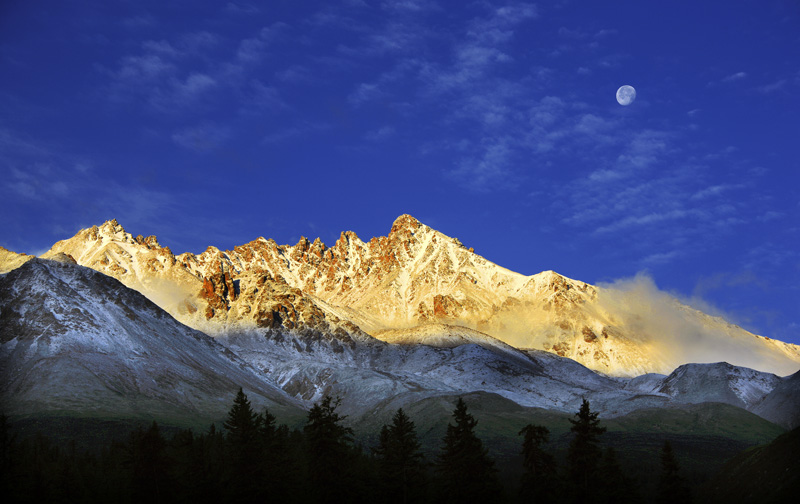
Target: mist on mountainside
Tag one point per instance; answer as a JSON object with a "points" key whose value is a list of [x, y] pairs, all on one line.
{"points": [[681, 333]]}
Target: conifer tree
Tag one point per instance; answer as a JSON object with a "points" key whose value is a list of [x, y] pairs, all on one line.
{"points": [[465, 470], [244, 447], [584, 454], [279, 468], [149, 465], [539, 479], [330, 453], [614, 486], [243, 423], [671, 487], [402, 474]]}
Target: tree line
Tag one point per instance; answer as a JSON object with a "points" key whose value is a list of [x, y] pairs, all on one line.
{"points": [[252, 459]]}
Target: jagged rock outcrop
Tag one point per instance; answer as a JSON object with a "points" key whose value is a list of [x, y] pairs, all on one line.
{"points": [[414, 275]]}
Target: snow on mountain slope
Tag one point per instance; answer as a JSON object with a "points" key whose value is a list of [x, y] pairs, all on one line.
{"points": [[414, 276], [11, 260], [719, 382], [460, 362], [74, 340], [140, 263], [765, 394]]}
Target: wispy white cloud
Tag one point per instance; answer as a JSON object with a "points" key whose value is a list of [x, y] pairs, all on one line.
{"points": [[480, 51], [139, 22], [197, 43], [459, 72], [728, 79], [772, 87], [202, 137], [770, 256], [295, 131], [175, 73], [653, 199], [734, 77], [414, 6], [242, 8], [487, 169], [365, 92], [12, 145], [713, 191], [60, 192], [608, 32], [143, 69], [259, 97], [160, 47], [573, 34], [253, 49], [380, 134], [295, 74], [193, 85]]}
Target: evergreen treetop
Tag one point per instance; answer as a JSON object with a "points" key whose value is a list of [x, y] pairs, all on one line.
{"points": [[243, 423], [584, 453], [466, 472], [400, 458], [671, 487]]}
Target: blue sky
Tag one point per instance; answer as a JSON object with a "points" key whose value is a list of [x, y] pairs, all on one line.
{"points": [[213, 123]]}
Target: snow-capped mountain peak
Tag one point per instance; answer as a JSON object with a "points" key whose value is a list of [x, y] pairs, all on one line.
{"points": [[413, 276]]}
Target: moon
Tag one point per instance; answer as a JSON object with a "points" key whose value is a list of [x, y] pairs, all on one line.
{"points": [[625, 95]]}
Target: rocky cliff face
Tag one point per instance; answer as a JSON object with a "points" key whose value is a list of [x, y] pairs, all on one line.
{"points": [[414, 276]]}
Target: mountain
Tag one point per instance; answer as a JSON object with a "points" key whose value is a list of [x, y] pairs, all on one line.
{"points": [[11, 260], [414, 276], [77, 342], [782, 404], [435, 361], [718, 382]]}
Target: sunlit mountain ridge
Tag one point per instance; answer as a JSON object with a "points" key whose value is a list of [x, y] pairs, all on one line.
{"points": [[354, 290]]}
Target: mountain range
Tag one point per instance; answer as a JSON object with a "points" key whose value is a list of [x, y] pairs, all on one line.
{"points": [[109, 323]]}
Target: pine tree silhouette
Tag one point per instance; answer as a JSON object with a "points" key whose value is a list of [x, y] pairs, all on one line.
{"points": [[243, 423], [402, 474], [244, 449], [614, 486], [539, 481], [330, 452], [671, 487], [584, 454], [149, 465], [465, 470]]}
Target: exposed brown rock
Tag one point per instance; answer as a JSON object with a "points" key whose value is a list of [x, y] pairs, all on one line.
{"points": [[561, 348], [445, 306]]}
